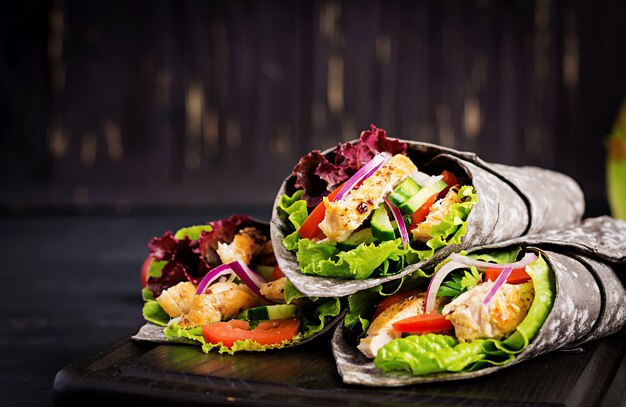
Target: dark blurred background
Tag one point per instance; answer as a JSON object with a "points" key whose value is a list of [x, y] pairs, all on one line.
{"points": [[131, 107]]}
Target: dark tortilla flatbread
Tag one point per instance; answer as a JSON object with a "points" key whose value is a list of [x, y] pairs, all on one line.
{"points": [[512, 202], [590, 301]]}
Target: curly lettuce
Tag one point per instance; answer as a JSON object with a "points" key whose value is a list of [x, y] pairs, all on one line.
{"points": [[433, 353], [330, 259]]}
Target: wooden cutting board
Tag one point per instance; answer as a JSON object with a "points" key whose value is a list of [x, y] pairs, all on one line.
{"points": [[141, 373]]}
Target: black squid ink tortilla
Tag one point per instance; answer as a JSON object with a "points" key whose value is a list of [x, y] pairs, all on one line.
{"points": [[584, 300], [217, 285], [493, 202]]}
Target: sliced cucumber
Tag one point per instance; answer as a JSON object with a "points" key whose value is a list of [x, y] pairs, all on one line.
{"points": [[358, 237], [417, 200], [405, 190], [277, 311], [381, 224], [265, 272]]}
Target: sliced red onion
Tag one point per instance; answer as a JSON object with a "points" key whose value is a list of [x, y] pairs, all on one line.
{"points": [[397, 215], [435, 282], [213, 275], [364, 172], [497, 284], [249, 277], [481, 265]]}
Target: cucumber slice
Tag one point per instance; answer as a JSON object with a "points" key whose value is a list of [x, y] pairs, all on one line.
{"points": [[417, 200], [277, 311], [405, 190], [381, 224], [358, 237], [265, 272]]}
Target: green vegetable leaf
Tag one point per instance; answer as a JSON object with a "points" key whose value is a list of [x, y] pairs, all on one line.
{"points": [[192, 232], [153, 312]]}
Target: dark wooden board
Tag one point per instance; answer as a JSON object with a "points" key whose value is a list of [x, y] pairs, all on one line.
{"points": [[145, 373]]}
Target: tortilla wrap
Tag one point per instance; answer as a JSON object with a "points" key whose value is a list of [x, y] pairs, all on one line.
{"points": [[156, 333], [590, 301], [512, 202]]}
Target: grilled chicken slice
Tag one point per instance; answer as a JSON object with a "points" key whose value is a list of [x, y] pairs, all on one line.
{"points": [[248, 242], [223, 300], [438, 211], [381, 332], [176, 300], [274, 290], [345, 216], [496, 320]]}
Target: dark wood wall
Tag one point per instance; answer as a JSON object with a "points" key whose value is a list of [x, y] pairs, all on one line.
{"points": [[136, 105]]}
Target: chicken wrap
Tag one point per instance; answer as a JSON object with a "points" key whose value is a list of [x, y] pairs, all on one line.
{"points": [[376, 209], [218, 285], [488, 308]]}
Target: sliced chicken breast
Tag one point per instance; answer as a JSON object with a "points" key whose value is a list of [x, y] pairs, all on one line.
{"points": [[176, 300], [223, 300], [381, 331], [496, 320], [345, 216], [248, 242], [440, 210]]}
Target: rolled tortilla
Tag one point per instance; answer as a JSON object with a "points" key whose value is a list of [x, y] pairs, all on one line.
{"points": [[316, 320], [590, 301], [512, 202]]}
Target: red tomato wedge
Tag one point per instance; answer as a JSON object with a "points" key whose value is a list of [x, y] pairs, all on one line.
{"points": [[390, 300], [517, 276], [144, 270], [420, 214], [277, 274], [423, 323], [269, 332], [310, 227]]}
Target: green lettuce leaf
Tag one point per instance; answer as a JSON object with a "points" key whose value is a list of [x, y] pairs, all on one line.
{"points": [[441, 353], [153, 312], [327, 259], [192, 232]]}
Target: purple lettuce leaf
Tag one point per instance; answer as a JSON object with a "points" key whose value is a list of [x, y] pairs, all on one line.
{"points": [[319, 175]]}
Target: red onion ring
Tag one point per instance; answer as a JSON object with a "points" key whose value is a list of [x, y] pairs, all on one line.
{"points": [[435, 282], [213, 275], [525, 261], [364, 172], [397, 215], [497, 284], [249, 277]]}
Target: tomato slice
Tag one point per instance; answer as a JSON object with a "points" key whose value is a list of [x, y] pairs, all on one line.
{"points": [[145, 266], [450, 179], [423, 323], [517, 276], [277, 274], [390, 300], [310, 227], [419, 215], [269, 332]]}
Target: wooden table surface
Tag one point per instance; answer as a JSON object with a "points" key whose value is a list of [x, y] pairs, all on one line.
{"points": [[72, 300]]}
